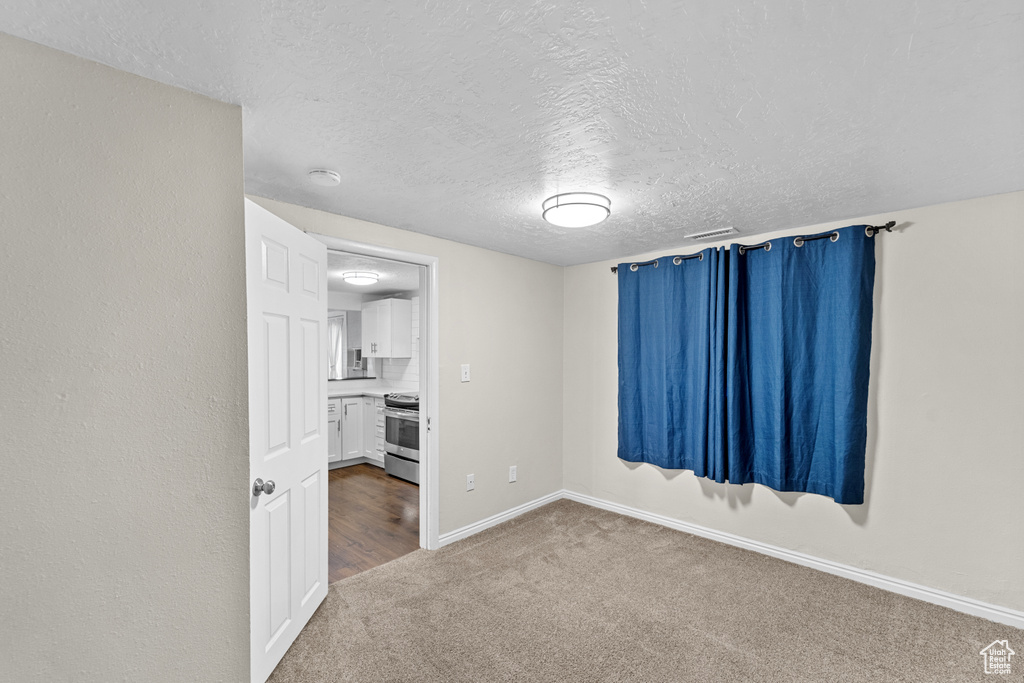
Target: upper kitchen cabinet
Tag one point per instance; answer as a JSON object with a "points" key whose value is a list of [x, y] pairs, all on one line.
{"points": [[387, 328]]}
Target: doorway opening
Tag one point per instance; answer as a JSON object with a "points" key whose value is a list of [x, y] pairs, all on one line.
{"points": [[382, 405]]}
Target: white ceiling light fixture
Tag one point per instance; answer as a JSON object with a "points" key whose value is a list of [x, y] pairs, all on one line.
{"points": [[576, 209], [324, 177], [360, 278]]}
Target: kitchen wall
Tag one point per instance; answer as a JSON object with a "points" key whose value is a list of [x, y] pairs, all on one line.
{"points": [[945, 461], [503, 315], [123, 401], [344, 301]]}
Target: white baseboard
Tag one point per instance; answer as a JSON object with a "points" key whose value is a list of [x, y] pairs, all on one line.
{"points": [[340, 464], [493, 520], [1001, 615]]}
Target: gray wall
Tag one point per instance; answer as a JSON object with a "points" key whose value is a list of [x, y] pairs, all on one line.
{"points": [[945, 470], [123, 400]]}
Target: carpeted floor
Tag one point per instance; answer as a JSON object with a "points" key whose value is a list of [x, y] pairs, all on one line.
{"points": [[572, 593]]}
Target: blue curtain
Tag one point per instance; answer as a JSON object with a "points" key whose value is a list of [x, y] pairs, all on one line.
{"points": [[752, 367], [671, 326]]}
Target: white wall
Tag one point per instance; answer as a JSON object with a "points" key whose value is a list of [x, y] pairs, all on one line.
{"points": [[344, 301], [503, 315], [123, 421], [945, 471]]}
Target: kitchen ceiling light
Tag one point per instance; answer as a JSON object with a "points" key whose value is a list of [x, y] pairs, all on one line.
{"points": [[358, 278], [324, 177], [576, 209]]}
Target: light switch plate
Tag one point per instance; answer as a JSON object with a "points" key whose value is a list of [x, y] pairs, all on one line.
{"points": [[470, 482], [465, 372]]}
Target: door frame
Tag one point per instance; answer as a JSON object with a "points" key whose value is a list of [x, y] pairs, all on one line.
{"points": [[429, 379]]}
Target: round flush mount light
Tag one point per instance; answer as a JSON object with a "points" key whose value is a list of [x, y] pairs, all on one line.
{"points": [[360, 278], [576, 209], [324, 177]]}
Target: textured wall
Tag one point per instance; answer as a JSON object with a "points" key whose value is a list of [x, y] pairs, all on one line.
{"points": [[123, 400], [945, 466], [503, 315]]}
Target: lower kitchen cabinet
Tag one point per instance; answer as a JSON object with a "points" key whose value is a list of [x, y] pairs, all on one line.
{"points": [[352, 428], [369, 429], [355, 429], [378, 437], [333, 430]]}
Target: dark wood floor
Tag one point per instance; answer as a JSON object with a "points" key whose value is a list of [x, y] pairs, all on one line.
{"points": [[373, 519]]}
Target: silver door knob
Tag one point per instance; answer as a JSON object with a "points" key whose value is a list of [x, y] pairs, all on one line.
{"points": [[259, 486]]}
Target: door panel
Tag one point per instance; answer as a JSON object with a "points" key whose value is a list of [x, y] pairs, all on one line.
{"points": [[286, 305], [311, 542], [279, 525], [310, 277], [275, 360], [311, 365], [275, 263]]}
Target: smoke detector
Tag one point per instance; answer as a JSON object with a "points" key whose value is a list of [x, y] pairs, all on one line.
{"points": [[324, 177]]}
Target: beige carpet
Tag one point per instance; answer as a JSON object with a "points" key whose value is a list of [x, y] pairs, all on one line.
{"points": [[571, 593]]}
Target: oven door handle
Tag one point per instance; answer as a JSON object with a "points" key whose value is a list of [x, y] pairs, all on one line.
{"points": [[400, 414]]}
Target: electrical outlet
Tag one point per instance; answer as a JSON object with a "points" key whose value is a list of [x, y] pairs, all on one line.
{"points": [[511, 474], [465, 372], [470, 482]]}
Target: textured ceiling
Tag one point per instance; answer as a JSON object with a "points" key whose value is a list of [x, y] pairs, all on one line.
{"points": [[457, 119], [395, 277]]}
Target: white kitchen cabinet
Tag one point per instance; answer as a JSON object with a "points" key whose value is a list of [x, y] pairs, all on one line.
{"points": [[387, 328], [333, 430], [379, 434], [351, 428], [371, 311], [370, 430]]}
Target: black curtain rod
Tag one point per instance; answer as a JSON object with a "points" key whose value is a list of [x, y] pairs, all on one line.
{"points": [[675, 260], [873, 230], [870, 231]]}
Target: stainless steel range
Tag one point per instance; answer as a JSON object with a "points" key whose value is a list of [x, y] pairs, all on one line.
{"points": [[402, 436]]}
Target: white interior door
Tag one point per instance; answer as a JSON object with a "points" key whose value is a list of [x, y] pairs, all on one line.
{"points": [[286, 280]]}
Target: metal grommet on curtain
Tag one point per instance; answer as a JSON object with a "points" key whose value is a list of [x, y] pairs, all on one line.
{"points": [[677, 260], [634, 267], [798, 241], [869, 232], [743, 250], [834, 237], [700, 256], [767, 246], [655, 263]]}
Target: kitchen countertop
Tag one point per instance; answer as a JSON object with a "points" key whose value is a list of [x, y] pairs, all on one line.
{"points": [[378, 391], [347, 393]]}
